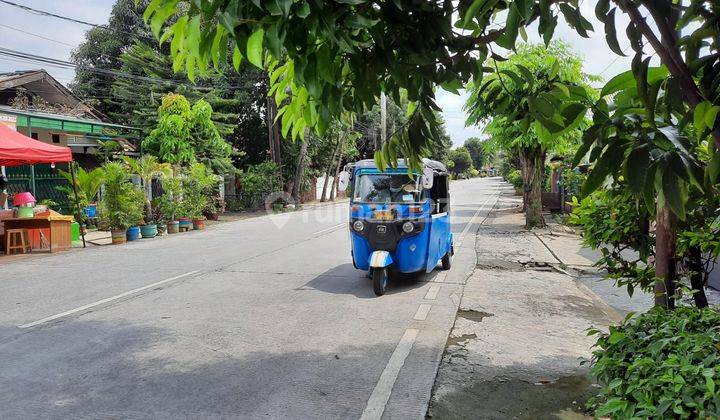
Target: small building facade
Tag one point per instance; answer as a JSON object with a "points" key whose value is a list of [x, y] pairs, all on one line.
{"points": [[35, 104]]}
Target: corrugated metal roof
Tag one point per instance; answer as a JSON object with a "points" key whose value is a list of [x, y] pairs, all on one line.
{"points": [[59, 117]]}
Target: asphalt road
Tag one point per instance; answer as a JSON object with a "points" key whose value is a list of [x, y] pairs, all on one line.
{"points": [[260, 318]]}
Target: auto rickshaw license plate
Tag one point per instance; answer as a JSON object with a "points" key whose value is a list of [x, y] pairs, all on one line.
{"points": [[384, 215]]}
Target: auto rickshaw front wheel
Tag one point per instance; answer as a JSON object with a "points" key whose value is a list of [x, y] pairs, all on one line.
{"points": [[380, 280]]}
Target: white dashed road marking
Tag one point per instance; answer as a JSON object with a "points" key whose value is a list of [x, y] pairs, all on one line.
{"points": [[432, 292], [380, 395], [422, 312]]}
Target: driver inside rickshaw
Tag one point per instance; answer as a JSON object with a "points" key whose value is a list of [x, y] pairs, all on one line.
{"points": [[383, 188]]}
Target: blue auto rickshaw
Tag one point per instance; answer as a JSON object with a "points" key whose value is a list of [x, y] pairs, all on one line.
{"points": [[399, 222]]}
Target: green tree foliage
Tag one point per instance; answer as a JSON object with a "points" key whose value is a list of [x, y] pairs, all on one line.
{"points": [[335, 56], [519, 101], [102, 50], [235, 97], [185, 134], [475, 146], [461, 160], [612, 222]]}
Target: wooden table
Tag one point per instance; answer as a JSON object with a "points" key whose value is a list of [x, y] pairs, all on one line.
{"points": [[56, 230]]}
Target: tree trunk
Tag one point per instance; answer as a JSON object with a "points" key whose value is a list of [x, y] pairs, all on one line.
{"points": [[694, 257], [665, 250], [337, 168], [273, 132], [300, 171], [327, 171], [148, 199], [532, 171]]}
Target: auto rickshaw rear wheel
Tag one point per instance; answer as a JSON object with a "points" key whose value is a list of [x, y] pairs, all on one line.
{"points": [[447, 260], [380, 280]]}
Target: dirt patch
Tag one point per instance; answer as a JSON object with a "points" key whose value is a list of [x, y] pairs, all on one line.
{"points": [[473, 315], [459, 341], [504, 398]]}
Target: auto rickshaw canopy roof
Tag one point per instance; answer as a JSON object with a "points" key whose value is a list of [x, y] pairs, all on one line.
{"points": [[402, 163]]}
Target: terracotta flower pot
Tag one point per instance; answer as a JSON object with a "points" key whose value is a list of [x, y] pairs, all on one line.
{"points": [[198, 224], [173, 227], [118, 236]]}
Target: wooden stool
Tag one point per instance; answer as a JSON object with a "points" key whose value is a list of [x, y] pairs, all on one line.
{"points": [[17, 239]]}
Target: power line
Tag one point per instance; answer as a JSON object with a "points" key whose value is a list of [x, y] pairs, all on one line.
{"points": [[67, 18], [50, 14], [70, 65], [38, 36]]}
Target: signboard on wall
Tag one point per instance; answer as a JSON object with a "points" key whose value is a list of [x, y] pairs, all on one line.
{"points": [[8, 121]]}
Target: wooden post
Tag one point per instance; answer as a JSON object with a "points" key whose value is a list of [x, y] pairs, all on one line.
{"points": [[77, 201]]}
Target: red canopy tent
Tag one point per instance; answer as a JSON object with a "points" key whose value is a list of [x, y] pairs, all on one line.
{"points": [[17, 149]]}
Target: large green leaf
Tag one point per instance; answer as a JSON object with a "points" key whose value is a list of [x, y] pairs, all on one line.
{"points": [[675, 192], [608, 161], [626, 80], [255, 47], [610, 33], [636, 168]]}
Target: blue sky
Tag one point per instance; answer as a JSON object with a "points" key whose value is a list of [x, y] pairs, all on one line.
{"points": [[64, 35]]}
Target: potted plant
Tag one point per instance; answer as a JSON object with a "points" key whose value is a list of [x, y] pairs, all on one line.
{"points": [[147, 168], [199, 189], [170, 203], [88, 185], [122, 202]]}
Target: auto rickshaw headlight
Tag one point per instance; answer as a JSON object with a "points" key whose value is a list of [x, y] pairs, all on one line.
{"points": [[358, 225], [408, 227]]}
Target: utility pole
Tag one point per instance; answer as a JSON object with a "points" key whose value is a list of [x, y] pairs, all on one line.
{"points": [[383, 119]]}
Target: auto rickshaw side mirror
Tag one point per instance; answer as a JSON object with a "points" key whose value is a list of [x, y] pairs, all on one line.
{"points": [[343, 180], [427, 179]]}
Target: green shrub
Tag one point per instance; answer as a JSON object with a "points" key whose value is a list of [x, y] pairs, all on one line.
{"points": [[572, 181], [515, 178], [257, 183], [611, 221], [199, 186], [122, 201], [661, 364], [170, 203]]}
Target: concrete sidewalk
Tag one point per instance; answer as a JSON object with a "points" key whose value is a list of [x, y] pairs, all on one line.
{"points": [[520, 334]]}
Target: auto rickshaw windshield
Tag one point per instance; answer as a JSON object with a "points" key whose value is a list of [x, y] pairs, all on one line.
{"points": [[387, 188]]}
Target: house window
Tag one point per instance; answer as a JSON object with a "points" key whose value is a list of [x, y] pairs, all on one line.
{"points": [[56, 138], [34, 135]]}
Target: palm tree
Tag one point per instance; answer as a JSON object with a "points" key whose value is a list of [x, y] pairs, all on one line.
{"points": [[147, 168], [87, 183]]}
